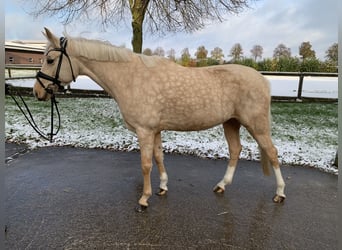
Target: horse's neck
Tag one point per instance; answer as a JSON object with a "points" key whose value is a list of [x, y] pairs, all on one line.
{"points": [[106, 74]]}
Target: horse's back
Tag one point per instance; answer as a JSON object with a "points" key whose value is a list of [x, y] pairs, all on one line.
{"points": [[241, 85], [240, 75], [209, 96]]}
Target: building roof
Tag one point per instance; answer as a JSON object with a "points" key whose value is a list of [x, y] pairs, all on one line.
{"points": [[38, 46]]}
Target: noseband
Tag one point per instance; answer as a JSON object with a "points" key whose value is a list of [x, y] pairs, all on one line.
{"points": [[55, 80]]}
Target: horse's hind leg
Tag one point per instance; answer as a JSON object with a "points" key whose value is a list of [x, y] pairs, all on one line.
{"points": [[265, 143], [159, 158], [231, 132]]}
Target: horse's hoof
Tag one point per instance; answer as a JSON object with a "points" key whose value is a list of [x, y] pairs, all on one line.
{"points": [[140, 208], [218, 190], [161, 192], [278, 199]]}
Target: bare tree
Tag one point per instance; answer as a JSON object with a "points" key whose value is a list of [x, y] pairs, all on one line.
{"points": [[185, 57], [236, 52], [201, 53], [305, 50], [257, 51], [171, 54], [281, 51], [332, 53], [159, 51], [159, 16], [147, 52], [217, 54]]}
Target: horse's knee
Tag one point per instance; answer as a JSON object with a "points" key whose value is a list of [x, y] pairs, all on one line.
{"points": [[146, 169]]}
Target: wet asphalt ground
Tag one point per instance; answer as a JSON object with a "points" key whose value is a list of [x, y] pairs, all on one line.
{"points": [[70, 198]]}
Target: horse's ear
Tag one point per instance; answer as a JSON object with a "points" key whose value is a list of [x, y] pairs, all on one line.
{"points": [[51, 37]]}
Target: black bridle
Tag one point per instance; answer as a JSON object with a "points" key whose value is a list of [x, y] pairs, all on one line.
{"points": [[55, 80]]}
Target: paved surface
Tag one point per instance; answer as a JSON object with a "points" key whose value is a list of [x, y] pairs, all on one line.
{"points": [[69, 198]]}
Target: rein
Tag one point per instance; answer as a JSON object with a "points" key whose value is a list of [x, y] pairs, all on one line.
{"points": [[55, 81], [29, 117]]}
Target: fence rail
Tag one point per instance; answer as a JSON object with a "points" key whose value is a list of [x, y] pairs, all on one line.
{"points": [[300, 75], [23, 66], [10, 67], [318, 74]]}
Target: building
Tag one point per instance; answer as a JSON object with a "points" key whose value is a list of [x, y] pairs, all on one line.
{"points": [[24, 52]]}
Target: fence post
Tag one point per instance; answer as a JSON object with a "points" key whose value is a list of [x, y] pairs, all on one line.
{"points": [[336, 159], [300, 87]]}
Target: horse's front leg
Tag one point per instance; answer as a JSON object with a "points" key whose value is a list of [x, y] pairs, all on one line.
{"points": [[146, 143]]}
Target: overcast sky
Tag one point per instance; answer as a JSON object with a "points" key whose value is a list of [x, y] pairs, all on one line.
{"points": [[268, 23]]}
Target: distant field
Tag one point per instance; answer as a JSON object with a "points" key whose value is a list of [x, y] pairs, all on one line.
{"points": [[304, 133]]}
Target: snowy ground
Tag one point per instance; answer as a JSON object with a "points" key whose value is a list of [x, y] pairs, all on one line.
{"points": [[305, 134]]}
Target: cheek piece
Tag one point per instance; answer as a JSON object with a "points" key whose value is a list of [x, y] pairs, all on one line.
{"points": [[55, 81]]}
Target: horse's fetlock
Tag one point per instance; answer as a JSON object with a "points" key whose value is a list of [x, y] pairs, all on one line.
{"points": [[227, 180], [163, 177]]}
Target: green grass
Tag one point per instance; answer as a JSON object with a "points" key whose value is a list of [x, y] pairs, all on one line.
{"points": [[312, 121], [310, 114]]}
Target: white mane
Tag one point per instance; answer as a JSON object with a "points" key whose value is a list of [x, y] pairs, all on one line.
{"points": [[98, 50], [106, 52], [151, 61]]}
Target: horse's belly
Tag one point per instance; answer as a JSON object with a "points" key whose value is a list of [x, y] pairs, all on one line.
{"points": [[194, 111], [191, 121]]}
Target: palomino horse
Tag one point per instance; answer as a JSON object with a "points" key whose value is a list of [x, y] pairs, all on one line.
{"points": [[155, 94]]}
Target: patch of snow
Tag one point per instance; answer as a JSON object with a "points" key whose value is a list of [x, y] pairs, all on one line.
{"points": [[100, 125]]}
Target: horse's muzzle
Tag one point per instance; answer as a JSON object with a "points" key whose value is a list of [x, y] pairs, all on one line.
{"points": [[40, 93]]}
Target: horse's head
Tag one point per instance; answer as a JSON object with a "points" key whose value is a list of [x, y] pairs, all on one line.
{"points": [[58, 69]]}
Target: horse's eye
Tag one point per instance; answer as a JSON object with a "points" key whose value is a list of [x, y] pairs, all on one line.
{"points": [[49, 61]]}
